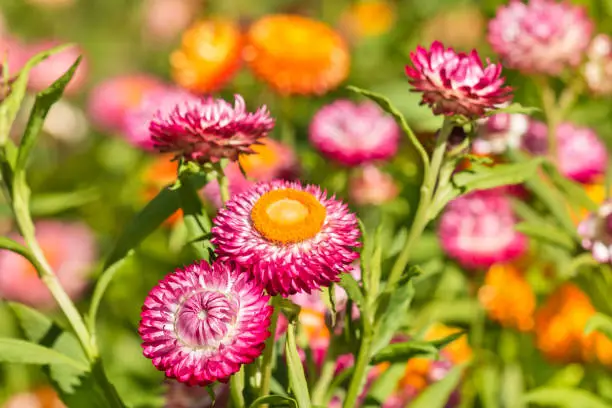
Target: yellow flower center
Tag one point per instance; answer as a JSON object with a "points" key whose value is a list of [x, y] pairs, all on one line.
{"points": [[288, 216]]}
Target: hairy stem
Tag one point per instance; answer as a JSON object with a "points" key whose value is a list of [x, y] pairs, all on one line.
{"points": [[266, 363]]}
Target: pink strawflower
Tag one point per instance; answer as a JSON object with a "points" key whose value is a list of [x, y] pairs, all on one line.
{"points": [[540, 36], [371, 186], [354, 134], [13, 51], [49, 70], [70, 249], [293, 238], [164, 20], [456, 83], [209, 129], [477, 230], [201, 323], [237, 184], [596, 233], [597, 70], [112, 98], [500, 132], [581, 155], [157, 101]]}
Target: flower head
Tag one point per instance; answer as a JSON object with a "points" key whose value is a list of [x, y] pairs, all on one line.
{"points": [[237, 184], [456, 83], [201, 323], [508, 297], [163, 20], [209, 129], [582, 156], [597, 70], [49, 70], [270, 160], [354, 134], [158, 101], [209, 56], [461, 26], [372, 187], [500, 132], [279, 51], [478, 230], [293, 238], [540, 36], [369, 18], [112, 98], [44, 397], [69, 248], [596, 233]]}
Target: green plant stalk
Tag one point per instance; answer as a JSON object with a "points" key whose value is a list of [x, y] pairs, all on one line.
{"points": [[551, 112], [361, 365], [427, 191], [327, 375], [223, 181], [46, 274], [236, 387], [266, 363]]}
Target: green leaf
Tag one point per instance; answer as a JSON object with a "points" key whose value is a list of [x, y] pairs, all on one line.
{"points": [[564, 398], [386, 383], [548, 234], [10, 106], [404, 351], [274, 399], [601, 323], [44, 100], [573, 192], [386, 105], [54, 203], [514, 108], [9, 244], [483, 177], [24, 352], [297, 379], [436, 395], [195, 218], [289, 309], [352, 288]]}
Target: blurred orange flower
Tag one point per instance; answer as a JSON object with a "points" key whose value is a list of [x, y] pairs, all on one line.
{"points": [[271, 160], [508, 297], [44, 397], [209, 56], [296, 55], [559, 329], [369, 18], [597, 193], [461, 27], [160, 173]]}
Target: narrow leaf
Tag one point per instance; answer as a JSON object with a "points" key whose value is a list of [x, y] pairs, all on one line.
{"points": [[484, 177], [9, 244], [53, 203], [437, 394], [407, 350], [601, 323], [351, 286], [564, 398], [297, 379], [573, 192], [196, 219], [548, 234], [514, 108], [24, 352], [274, 399]]}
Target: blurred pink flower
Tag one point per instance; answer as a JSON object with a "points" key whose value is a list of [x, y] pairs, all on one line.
{"points": [[14, 51], [70, 249], [456, 83], [540, 36], [45, 73], [596, 233], [237, 184], [164, 20], [581, 155], [162, 100], [354, 134], [112, 98], [500, 132], [477, 230], [597, 71], [371, 186]]}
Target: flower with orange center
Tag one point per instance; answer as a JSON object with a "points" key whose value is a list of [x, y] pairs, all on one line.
{"points": [[296, 55], [560, 324], [209, 56], [369, 18], [269, 160], [293, 238], [507, 297], [159, 174]]}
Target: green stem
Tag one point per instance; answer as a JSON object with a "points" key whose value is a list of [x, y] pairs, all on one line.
{"points": [[427, 191], [361, 366], [266, 363], [223, 183], [236, 387], [327, 375], [551, 111]]}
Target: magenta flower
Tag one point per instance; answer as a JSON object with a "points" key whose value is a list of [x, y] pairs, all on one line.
{"points": [[45, 73], [209, 129], [596, 233], [237, 184], [581, 155], [201, 323], [354, 134], [371, 186], [456, 83], [70, 249], [292, 238], [158, 101], [500, 132], [540, 36], [477, 230]]}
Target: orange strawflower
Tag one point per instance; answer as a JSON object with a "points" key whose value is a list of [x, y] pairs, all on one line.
{"points": [[44, 397], [296, 55], [271, 160], [369, 18], [507, 297], [159, 174], [209, 56], [559, 329]]}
